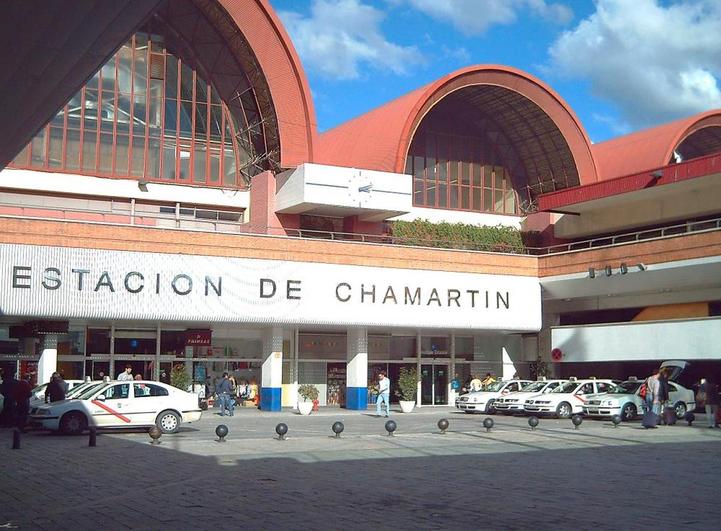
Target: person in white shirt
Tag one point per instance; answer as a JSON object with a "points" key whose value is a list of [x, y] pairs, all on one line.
{"points": [[127, 374], [384, 391]]}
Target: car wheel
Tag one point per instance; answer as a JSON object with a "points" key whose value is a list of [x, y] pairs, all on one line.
{"points": [[73, 423], [168, 421], [564, 410], [628, 412], [491, 408], [681, 409]]}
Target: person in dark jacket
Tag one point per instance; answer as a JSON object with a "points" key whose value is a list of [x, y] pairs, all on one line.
{"points": [[23, 392], [55, 391], [708, 392], [7, 389]]}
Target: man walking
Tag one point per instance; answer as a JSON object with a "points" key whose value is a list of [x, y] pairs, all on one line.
{"points": [[126, 375], [225, 400], [384, 393]]}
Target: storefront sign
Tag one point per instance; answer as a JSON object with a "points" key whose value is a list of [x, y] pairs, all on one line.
{"points": [[64, 283], [198, 337]]}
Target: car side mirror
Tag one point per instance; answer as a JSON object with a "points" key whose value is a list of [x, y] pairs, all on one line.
{"points": [[100, 397]]}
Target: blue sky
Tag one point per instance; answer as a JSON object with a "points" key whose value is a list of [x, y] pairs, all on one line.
{"points": [[622, 65]]}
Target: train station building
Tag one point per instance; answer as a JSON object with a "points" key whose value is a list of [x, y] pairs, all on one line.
{"points": [[170, 202]]}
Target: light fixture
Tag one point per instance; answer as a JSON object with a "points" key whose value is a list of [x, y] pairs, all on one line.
{"points": [[143, 185], [609, 271], [591, 272], [624, 268], [641, 267]]}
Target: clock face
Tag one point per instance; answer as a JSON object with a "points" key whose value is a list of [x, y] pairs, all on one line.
{"points": [[360, 189]]}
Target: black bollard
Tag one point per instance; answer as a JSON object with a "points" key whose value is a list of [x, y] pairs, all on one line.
{"points": [[443, 426], [391, 426], [616, 419], [488, 423], [533, 422], [221, 431], [337, 428], [155, 434], [92, 437], [576, 420], [281, 429], [16, 439]]}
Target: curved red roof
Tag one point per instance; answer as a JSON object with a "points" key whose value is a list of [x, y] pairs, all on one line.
{"points": [[284, 74], [650, 148], [380, 139]]}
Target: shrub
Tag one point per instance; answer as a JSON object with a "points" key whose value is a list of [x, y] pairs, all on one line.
{"points": [[179, 378], [422, 232], [308, 392], [407, 383]]}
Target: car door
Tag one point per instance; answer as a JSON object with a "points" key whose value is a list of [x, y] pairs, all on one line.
{"points": [[112, 405], [581, 395], [148, 400]]}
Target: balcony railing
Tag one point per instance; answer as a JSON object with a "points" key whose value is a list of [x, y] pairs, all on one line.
{"points": [[202, 220]]}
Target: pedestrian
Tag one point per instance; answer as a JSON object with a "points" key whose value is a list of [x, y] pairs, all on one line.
{"points": [[652, 406], [138, 376], [663, 397], [101, 375], [23, 392], [488, 380], [475, 384], [55, 391], [456, 383], [7, 389], [708, 397], [164, 378], [225, 399], [126, 375], [384, 393]]}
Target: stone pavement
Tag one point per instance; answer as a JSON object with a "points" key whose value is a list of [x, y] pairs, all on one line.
{"points": [[555, 477]]}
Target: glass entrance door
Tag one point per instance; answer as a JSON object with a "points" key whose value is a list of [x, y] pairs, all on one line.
{"points": [[434, 384]]}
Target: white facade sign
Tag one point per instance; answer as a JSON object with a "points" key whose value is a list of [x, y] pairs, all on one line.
{"points": [[64, 283]]}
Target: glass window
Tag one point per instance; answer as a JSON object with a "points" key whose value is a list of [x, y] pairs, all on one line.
{"points": [[142, 390], [133, 101], [117, 392]]}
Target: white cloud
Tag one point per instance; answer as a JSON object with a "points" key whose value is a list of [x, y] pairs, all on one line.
{"points": [[473, 17], [341, 35], [655, 62]]}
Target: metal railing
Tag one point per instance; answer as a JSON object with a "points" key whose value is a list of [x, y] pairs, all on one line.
{"points": [[176, 221]]}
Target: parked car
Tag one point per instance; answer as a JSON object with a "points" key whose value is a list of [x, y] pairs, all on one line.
{"points": [[484, 401], [76, 391], [625, 401], [138, 403], [566, 399], [513, 402]]}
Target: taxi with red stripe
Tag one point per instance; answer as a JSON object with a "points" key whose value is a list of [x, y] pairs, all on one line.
{"points": [[120, 404], [567, 399]]}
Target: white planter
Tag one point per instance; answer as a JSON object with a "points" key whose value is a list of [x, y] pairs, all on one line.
{"points": [[305, 407], [407, 405]]}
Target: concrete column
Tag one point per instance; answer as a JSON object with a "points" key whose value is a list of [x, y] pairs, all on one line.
{"points": [[48, 362], [452, 371], [356, 392], [418, 369], [272, 373]]}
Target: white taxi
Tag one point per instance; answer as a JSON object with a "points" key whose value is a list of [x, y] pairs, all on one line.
{"points": [[137, 403], [566, 399], [513, 402], [484, 401], [624, 400]]}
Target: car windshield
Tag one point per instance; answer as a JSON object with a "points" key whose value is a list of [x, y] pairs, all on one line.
{"points": [[568, 387], [88, 392], [533, 387], [82, 389], [495, 386], [39, 388], [625, 388]]}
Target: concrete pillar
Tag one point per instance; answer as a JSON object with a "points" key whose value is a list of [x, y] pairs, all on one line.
{"points": [[48, 362], [356, 392], [272, 373], [452, 372]]}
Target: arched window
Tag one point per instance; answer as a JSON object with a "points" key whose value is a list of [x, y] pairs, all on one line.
{"points": [[146, 114], [461, 168]]}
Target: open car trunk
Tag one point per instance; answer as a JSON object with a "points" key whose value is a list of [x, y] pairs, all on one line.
{"points": [[675, 367]]}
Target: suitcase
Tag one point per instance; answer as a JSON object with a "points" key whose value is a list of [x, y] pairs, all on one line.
{"points": [[649, 419], [669, 416]]}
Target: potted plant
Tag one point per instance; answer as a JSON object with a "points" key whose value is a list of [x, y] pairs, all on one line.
{"points": [[407, 388], [309, 393]]}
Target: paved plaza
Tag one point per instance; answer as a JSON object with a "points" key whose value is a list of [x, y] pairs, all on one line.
{"points": [[555, 477]]}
